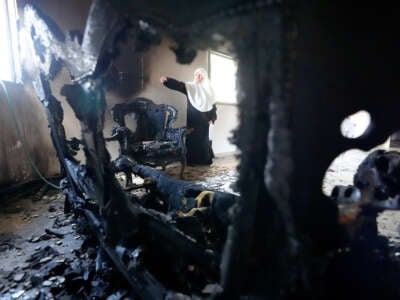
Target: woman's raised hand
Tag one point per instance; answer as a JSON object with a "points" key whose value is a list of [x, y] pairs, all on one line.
{"points": [[163, 79]]}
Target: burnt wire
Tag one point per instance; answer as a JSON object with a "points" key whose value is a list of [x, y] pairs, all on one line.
{"points": [[21, 137]]}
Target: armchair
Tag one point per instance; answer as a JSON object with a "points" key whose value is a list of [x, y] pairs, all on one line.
{"points": [[154, 142]]}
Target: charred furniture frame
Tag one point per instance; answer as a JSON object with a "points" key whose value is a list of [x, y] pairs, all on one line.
{"points": [[300, 74], [154, 142]]}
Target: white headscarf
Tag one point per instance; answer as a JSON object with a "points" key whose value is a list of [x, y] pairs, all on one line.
{"points": [[201, 95]]}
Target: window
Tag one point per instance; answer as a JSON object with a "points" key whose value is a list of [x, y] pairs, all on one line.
{"points": [[9, 57], [223, 77]]}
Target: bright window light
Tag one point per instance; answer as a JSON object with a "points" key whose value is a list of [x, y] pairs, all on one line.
{"points": [[9, 57], [355, 125], [223, 70]]}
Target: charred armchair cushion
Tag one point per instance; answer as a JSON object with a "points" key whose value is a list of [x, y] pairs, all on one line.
{"points": [[154, 142]]}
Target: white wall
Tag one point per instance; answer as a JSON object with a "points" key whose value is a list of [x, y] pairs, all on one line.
{"points": [[227, 122]]}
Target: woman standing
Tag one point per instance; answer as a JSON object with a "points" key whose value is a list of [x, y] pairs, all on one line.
{"points": [[201, 111]]}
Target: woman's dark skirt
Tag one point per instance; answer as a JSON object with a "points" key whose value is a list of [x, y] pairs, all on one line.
{"points": [[199, 151]]}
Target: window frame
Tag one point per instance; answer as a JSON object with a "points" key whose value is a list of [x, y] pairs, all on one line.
{"points": [[11, 42], [221, 54]]}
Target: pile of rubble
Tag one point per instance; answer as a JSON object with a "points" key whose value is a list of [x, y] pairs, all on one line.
{"points": [[63, 259], [61, 263]]}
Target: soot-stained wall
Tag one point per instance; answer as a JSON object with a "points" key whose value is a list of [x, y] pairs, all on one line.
{"points": [[160, 60], [139, 72], [14, 165]]}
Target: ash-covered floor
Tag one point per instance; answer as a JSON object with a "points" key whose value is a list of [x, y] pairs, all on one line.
{"points": [[42, 255], [31, 258]]}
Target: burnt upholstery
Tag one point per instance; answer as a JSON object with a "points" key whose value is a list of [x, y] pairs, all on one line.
{"points": [[154, 142]]}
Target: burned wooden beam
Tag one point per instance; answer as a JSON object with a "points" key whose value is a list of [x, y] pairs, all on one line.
{"points": [[143, 283], [173, 191]]}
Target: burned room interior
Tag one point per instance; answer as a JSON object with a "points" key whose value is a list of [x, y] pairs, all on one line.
{"points": [[228, 149]]}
